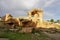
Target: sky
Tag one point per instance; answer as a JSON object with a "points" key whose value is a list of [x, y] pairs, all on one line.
{"points": [[51, 8]]}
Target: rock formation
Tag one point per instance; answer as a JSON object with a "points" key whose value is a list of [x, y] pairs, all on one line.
{"points": [[27, 23], [12, 22], [36, 16], [34, 19], [6, 17], [0, 18]]}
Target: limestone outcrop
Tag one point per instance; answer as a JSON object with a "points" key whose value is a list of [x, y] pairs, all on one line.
{"points": [[27, 23], [0, 18], [36, 16], [7, 17], [34, 19], [12, 22]]}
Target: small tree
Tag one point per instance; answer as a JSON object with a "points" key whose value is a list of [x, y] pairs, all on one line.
{"points": [[58, 21], [52, 20]]}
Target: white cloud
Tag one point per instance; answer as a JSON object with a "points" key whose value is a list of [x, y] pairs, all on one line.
{"points": [[49, 2], [45, 3], [11, 4], [29, 3]]}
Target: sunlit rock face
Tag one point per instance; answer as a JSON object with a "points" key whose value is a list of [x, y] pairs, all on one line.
{"points": [[10, 20], [13, 21], [0, 18], [27, 23], [36, 16], [7, 17], [18, 21]]}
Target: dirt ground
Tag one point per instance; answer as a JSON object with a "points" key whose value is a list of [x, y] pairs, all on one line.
{"points": [[3, 39], [55, 36]]}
